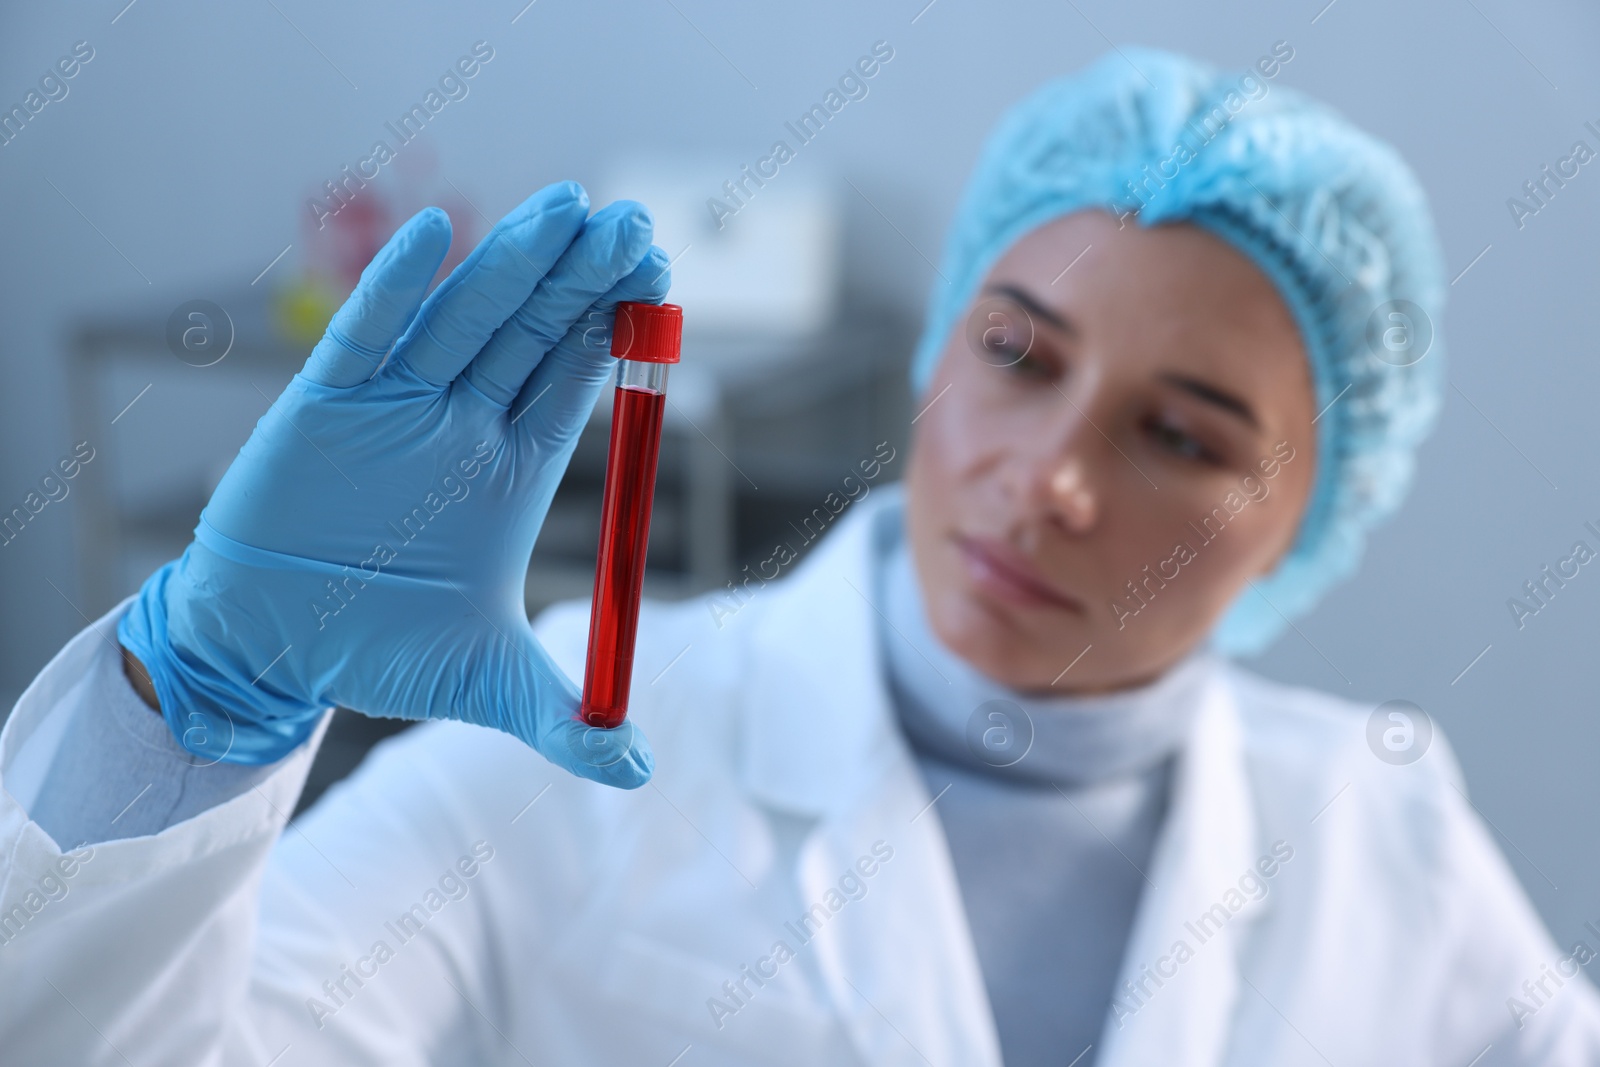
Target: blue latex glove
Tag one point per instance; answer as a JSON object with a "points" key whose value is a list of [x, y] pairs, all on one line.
{"points": [[368, 546]]}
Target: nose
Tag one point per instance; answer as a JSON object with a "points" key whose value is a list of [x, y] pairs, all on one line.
{"points": [[1055, 471], [1069, 493]]}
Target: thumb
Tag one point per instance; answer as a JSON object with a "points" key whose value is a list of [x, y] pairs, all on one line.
{"points": [[383, 304], [522, 692]]}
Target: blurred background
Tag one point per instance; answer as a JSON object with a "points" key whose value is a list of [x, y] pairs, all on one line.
{"points": [[174, 245]]}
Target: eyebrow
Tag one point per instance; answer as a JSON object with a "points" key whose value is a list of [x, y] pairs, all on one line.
{"points": [[1033, 307], [1212, 395]]}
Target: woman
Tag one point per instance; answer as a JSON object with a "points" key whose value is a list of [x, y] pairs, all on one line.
{"points": [[976, 783]]}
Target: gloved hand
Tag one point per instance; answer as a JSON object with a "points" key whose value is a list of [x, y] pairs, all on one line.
{"points": [[368, 546]]}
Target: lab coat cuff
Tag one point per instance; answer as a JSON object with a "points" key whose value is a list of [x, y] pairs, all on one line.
{"points": [[37, 730], [119, 772]]}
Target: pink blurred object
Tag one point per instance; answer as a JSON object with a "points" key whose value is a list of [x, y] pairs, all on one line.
{"points": [[337, 250]]}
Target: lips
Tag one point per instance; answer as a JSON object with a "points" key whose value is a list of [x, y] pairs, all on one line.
{"points": [[997, 569]]}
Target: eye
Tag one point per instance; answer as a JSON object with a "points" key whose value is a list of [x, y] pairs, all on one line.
{"points": [[1180, 442], [1002, 334], [1000, 344], [1024, 364]]}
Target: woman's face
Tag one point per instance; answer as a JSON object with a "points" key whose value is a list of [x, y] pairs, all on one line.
{"points": [[1107, 453]]}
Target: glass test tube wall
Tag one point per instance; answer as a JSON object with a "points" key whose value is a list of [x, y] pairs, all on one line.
{"points": [[646, 338]]}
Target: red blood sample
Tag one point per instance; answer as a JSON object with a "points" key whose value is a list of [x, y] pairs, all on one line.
{"points": [[646, 337]]}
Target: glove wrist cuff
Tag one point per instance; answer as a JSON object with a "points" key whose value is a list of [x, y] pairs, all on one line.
{"points": [[212, 717]]}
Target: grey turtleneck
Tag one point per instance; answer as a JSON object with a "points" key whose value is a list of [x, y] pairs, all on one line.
{"points": [[1050, 806]]}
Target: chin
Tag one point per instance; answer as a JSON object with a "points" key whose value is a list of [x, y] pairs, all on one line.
{"points": [[988, 637]]}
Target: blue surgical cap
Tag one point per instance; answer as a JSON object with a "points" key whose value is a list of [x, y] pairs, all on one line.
{"points": [[1332, 216]]}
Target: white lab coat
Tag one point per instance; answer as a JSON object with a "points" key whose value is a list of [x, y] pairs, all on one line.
{"points": [[600, 927]]}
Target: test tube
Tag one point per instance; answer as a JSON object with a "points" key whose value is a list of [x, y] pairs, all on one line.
{"points": [[646, 338]]}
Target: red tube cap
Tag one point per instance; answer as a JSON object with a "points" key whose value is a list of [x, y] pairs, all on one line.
{"points": [[647, 333]]}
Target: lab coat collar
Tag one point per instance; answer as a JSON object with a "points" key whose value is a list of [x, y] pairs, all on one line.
{"points": [[819, 716], [820, 738], [1175, 1005]]}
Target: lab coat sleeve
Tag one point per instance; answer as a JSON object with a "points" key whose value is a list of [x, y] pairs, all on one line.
{"points": [[118, 772], [1509, 994], [136, 950]]}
